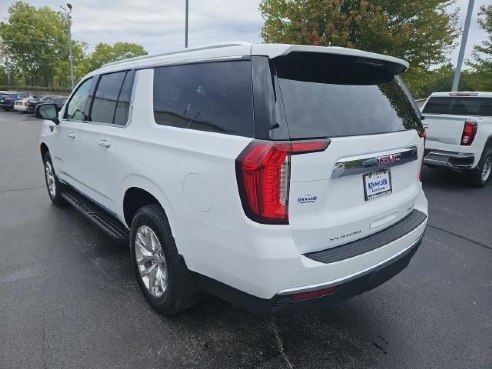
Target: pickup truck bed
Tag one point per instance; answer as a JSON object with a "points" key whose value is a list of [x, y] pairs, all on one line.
{"points": [[459, 134]]}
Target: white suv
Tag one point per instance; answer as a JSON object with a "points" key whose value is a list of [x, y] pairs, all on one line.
{"points": [[277, 177]]}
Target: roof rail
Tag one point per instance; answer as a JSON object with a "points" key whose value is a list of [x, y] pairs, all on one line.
{"points": [[205, 47]]}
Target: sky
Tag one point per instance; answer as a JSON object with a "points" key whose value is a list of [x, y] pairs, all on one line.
{"points": [[158, 25]]}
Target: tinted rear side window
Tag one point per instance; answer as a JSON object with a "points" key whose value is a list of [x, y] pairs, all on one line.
{"points": [[123, 105], [480, 106], [106, 96], [333, 96], [213, 97]]}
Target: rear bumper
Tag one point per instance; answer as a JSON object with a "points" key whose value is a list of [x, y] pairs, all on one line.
{"points": [[284, 303], [6, 105], [448, 159]]}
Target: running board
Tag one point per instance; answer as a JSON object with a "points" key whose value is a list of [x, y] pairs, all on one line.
{"points": [[100, 217]]}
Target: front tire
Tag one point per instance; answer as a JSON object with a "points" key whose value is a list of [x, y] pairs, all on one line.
{"points": [[161, 272], [483, 171], [55, 188]]}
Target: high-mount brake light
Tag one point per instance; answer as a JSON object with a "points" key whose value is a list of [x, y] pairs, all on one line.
{"points": [[263, 176], [469, 132], [463, 94]]}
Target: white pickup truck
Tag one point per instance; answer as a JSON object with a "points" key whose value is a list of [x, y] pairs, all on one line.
{"points": [[459, 133]]}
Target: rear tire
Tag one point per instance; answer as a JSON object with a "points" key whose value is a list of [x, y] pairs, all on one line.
{"points": [[161, 272], [480, 175], [53, 185]]}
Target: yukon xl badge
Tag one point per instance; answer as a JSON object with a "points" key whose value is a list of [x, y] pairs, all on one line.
{"points": [[307, 199]]}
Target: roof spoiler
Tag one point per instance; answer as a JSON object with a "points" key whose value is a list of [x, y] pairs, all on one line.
{"points": [[395, 65]]}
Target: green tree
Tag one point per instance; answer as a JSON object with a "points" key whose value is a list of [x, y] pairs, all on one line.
{"points": [[35, 41], [482, 54], [104, 53], [440, 79], [421, 32]]}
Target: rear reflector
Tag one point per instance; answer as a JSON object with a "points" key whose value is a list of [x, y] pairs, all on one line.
{"points": [[263, 177], [469, 132], [313, 294]]}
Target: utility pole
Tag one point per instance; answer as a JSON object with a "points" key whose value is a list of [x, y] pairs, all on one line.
{"points": [[186, 23], [464, 38], [70, 56]]}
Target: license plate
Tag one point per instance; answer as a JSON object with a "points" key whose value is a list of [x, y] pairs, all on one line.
{"points": [[377, 184]]}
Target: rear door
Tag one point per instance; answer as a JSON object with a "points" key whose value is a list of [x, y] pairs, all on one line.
{"points": [[100, 136], [368, 177]]}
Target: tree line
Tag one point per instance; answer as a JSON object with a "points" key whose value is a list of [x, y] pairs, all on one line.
{"points": [[421, 32], [34, 41], [34, 49]]}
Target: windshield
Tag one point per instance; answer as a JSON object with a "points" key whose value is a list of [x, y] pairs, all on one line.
{"points": [[336, 96], [480, 106]]}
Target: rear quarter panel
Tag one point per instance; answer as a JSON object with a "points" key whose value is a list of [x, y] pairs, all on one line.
{"points": [[191, 173]]}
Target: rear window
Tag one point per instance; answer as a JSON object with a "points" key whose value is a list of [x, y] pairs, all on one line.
{"points": [[214, 97], [333, 96], [480, 106]]}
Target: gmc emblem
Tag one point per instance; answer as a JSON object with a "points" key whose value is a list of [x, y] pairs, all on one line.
{"points": [[389, 159]]}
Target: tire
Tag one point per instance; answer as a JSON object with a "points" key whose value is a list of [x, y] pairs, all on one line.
{"points": [[480, 175], [55, 192], [173, 288]]}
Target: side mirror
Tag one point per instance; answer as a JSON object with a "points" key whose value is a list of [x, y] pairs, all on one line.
{"points": [[48, 111]]}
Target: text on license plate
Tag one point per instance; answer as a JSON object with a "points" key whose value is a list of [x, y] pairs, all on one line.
{"points": [[377, 184]]}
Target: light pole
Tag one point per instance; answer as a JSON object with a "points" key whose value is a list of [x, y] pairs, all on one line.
{"points": [[70, 56], [186, 23], [461, 55]]}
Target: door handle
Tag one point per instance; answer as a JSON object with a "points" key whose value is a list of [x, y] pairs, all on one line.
{"points": [[71, 136], [104, 143]]}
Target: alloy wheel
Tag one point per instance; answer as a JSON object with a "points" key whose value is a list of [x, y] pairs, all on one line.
{"points": [[487, 168], [50, 178], [151, 261]]}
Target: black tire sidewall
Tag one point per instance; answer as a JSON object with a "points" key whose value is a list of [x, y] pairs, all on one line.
{"points": [[477, 172], [487, 154], [154, 218]]}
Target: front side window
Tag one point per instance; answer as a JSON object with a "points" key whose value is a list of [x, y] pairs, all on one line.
{"points": [[213, 97], [78, 106]]}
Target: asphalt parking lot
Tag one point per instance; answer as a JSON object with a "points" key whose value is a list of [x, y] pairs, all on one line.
{"points": [[68, 298]]}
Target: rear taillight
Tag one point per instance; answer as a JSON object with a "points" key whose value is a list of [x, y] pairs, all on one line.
{"points": [[469, 132], [422, 134], [25, 103], [263, 176]]}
